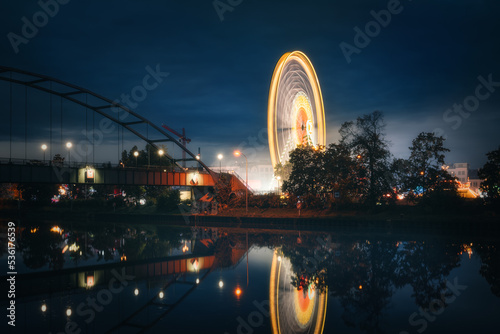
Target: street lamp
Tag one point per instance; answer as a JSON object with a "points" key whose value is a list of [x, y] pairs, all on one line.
{"points": [[160, 152], [69, 145], [44, 148], [220, 156], [237, 154], [136, 154]]}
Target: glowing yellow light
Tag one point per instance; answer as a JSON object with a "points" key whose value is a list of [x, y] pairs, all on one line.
{"points": [[136, 292], [238, 292], [161, 295], [197, 281], [123, 257], [279, 258], [69, 312], [185, 248], [237, 153], [90, 281], [34, 230], [136, 154], [221, 284], [44, 308], [74, 247], [44, 147], [160, 152], [65, 249], [360, 287]]}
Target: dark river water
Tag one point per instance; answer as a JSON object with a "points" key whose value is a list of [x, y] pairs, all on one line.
{"points": [[117, 278]]}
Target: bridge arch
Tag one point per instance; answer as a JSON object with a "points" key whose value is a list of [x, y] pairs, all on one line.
{"points": [[70, 92]]}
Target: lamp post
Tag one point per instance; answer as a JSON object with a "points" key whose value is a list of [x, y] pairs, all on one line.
{"points": [[160, 152], [44, 148], [136, 154], [69, 145], [278, 178], [237, 154], [220, 156]]}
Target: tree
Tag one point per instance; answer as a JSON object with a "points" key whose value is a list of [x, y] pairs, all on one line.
{"points": [[343, 174], [283, 170], [307, 172], [426, 162], [490, 174], [366, 140], [397, 176], [148, 156]]}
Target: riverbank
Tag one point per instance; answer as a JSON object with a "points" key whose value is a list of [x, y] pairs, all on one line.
{"points": [[398, 215]]}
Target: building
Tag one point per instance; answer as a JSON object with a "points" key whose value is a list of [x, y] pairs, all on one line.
{"points": [[460, 171], [468, 178]]}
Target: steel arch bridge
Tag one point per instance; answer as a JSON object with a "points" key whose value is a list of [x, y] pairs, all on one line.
{"points": [[101, 106]]}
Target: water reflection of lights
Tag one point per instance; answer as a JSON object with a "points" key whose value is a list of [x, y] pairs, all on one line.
{"points": [[237, 292], [195, 264], [161, 295], [221, 284], [69, 312], [185, 248], [467, 248], [34, 230], [136, 292], [292, 310], [197, 281], [56, 229], [44, 308], [74, 247], [65, 249]]}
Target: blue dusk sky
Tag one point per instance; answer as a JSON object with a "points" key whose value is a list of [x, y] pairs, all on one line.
{"points": [[415, 64]]}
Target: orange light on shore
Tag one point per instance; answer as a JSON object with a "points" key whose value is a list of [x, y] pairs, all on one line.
{"points": [[65, 249], [237, 292], [361, 287]]}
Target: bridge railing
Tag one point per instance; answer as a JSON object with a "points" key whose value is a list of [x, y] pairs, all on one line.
{"points": [[80, 164]]}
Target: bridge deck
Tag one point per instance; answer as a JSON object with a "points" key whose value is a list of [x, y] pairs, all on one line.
{"points": [[12, 173]]}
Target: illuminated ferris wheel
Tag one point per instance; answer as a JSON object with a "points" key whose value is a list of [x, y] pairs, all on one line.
{"points": [[296, 114], [291, 310]]}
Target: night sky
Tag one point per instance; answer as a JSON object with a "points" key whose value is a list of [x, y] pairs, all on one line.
{"points": [[425, 60]]}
